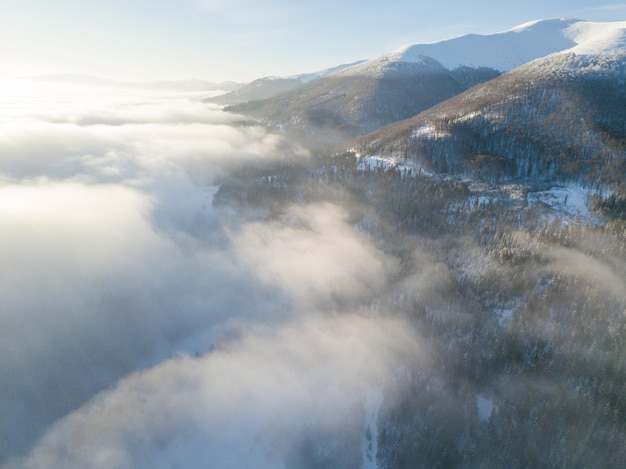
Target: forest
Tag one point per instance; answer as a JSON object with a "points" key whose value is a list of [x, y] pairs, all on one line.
{"points": [[524, 311]]}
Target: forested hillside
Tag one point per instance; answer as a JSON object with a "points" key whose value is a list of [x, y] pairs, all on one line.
{"points": [[504, 208], [559, 118], [361, 99], [523, 312]]}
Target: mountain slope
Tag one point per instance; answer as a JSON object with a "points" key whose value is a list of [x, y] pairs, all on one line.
{"points": [[598, 38], [262, 88], [343, 105], [563, 117], [513, 48], [502, 51], [400, 84], [267, 87]]}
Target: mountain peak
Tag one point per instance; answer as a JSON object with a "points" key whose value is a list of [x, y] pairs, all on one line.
{"points": [[595, 38], [545, 25], [512, 48], [501, 51], [393, 66]]}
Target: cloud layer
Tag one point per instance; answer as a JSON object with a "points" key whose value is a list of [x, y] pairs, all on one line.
{"points": [[248, 404], [114, 262]]}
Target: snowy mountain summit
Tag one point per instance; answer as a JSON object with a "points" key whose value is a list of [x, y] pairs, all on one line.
{"points": [[597, 38], [510, 49], [398, 85]]}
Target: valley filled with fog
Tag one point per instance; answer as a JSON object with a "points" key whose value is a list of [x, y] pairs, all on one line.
{"points": [[182, 287], [138, 321]]}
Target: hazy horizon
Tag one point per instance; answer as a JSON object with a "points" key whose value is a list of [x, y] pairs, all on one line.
{"points": [[243, 40]]}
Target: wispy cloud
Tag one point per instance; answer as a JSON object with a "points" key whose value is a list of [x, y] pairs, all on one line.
{"points": [[114, 259], [249, 404], [100, 268]]}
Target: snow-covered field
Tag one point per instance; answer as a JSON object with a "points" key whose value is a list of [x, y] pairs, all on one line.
{"points": [[569, 201], [485, 407]]}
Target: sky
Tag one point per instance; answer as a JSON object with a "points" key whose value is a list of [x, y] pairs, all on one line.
{"points": [[241, 40]]}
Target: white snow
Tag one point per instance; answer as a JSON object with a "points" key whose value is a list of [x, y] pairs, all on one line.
{"points": [[373, 162], [594, 38], [508, 49], [502, 51], [525, 26], [569, 200], [428, 132], [485, 407], [369, 442], [504, 316], [388, 65]]}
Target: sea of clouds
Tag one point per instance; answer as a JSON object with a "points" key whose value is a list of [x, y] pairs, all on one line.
{"points": [[140, 326]]}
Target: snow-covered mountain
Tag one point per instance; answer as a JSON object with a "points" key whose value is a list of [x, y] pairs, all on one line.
{"points": [[597, 38], [398, 85], [502, 51], [560, 117], [510, 49], [267, 87]]}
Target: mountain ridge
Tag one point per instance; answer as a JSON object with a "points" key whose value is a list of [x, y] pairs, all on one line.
{"points": [[398, 85], [559, 117], [268, 87]]}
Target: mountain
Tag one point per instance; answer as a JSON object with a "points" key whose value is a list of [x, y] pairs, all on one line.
{"points": [[562, 117], [400, 84], [343, 104], [262, 88], [515, 274], [501, 51], [267, 87]]}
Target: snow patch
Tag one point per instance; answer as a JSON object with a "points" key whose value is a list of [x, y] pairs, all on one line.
{"points": [[593, 38], [506, 50], [501, 51], [386, 163], [468, 116], [485, 407], [476, 201], [504, 316], [428, 132], [571, 201], [369, 442], [525, 26]]}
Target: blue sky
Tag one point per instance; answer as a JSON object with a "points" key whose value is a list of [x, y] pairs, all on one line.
{"points": [[244, 39]]}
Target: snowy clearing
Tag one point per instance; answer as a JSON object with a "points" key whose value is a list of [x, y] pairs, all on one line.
{"points": [[570, 201], [485, 407]]}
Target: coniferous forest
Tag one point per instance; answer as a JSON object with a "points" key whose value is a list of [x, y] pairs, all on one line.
{"points": [[524, 313]]}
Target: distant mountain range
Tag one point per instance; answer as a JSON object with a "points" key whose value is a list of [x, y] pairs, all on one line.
{"points": [[546, 97], [183, 85], [494, 169], [559, 117], [266, 87]]}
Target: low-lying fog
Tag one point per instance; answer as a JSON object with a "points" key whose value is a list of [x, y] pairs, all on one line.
{"points": [[142, 327]]}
